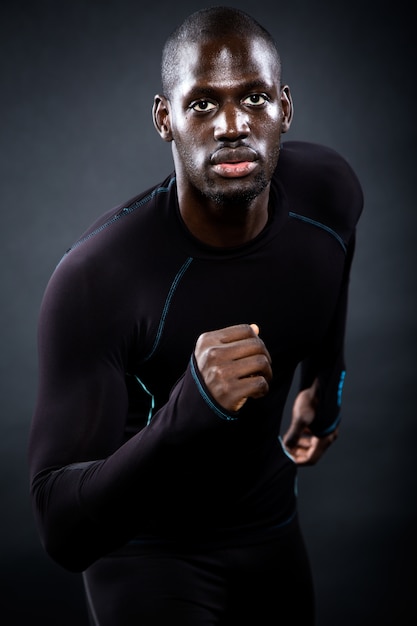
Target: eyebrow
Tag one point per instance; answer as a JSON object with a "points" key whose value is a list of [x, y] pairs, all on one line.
{"points": [[252, 85]]}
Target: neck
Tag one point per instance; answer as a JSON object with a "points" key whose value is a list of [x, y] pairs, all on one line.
{"points": [[224, 224]]}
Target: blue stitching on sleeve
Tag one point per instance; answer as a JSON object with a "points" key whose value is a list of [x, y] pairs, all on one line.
{"points": [[340, 388], [330, 428], [213, 407]]}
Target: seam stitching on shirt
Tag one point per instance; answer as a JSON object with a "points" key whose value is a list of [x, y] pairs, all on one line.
{"points": [[332, 232], [171, 292], [122, 213]]}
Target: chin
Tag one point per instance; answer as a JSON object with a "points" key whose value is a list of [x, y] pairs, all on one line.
{"points": [[237, 193]]}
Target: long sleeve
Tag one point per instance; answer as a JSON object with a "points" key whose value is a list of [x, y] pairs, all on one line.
{"points": [[328, 365], [125, 440], [92, 490], [87, 509]]}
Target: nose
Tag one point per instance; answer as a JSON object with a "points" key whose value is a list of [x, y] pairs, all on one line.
{"points": [[231, 124]]}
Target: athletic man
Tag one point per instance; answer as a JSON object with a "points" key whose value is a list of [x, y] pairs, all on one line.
{"points": [[169, 335]]}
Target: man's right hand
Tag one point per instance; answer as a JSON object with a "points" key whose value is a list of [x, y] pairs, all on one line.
{"points": [[235, 364]]}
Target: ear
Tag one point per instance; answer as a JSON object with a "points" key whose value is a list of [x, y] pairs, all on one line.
{"points": [[161, 117], [287, 108]]}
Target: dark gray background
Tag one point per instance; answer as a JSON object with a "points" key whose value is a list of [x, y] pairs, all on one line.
{"points": [[77, 82]]}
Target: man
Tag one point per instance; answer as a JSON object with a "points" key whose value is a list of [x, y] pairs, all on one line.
{"points": [[169, 336]]}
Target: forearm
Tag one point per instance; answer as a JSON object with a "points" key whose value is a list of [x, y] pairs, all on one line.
{"points": [[85, 510], [328, 394], [327, 364]]}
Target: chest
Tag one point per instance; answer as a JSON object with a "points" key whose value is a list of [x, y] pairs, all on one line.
{"points": [[290, 288]]}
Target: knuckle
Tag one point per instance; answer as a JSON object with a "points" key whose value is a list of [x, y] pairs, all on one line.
{"points": [[211, 357], [216, 373], [261, 386], [201, 341], [263, 365]]}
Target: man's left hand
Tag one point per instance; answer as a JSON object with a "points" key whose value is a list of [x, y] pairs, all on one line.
{"points": [[304, 447]]}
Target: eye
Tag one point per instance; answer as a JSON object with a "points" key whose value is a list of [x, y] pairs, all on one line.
{"points": [[202, 106], [256, 99]]}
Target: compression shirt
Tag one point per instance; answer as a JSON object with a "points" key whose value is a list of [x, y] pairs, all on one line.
{"points": [[126, 440]]}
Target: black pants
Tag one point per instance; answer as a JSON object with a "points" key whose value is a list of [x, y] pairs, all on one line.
{"points": [[261, 584]]}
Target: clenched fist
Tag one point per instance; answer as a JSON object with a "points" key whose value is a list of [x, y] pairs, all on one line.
{"points": [[235, 364]]}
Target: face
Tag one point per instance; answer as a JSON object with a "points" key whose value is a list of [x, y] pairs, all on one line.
{"points": [[225, 117]]}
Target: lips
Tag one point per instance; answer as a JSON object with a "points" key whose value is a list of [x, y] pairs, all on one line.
{"points": [[233, 155], [234, 162]]}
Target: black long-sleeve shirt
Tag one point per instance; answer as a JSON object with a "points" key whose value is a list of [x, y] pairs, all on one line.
{"points": [[126, 440]]}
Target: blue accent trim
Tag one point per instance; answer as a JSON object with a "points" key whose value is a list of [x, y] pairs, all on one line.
{"points": [[213, 407], [285, 451], [122, 213], [167, 305], [308, 220], [330, 428], [152, 397], [336, 422], [340, 387], [146, 199]]}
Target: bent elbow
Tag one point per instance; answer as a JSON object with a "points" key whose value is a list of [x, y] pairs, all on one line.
{"points": [[62, 527], [66, 552]]}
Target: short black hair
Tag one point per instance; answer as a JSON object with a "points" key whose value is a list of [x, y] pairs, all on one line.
{"points": [[212, 22]]}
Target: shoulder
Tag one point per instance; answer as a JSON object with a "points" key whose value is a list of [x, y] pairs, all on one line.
{"points": [[320, 165], [108, 253], [320, 184], [113, 224]]}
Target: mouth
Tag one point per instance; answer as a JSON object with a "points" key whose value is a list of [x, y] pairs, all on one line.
{"points": [[234, 162]]}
